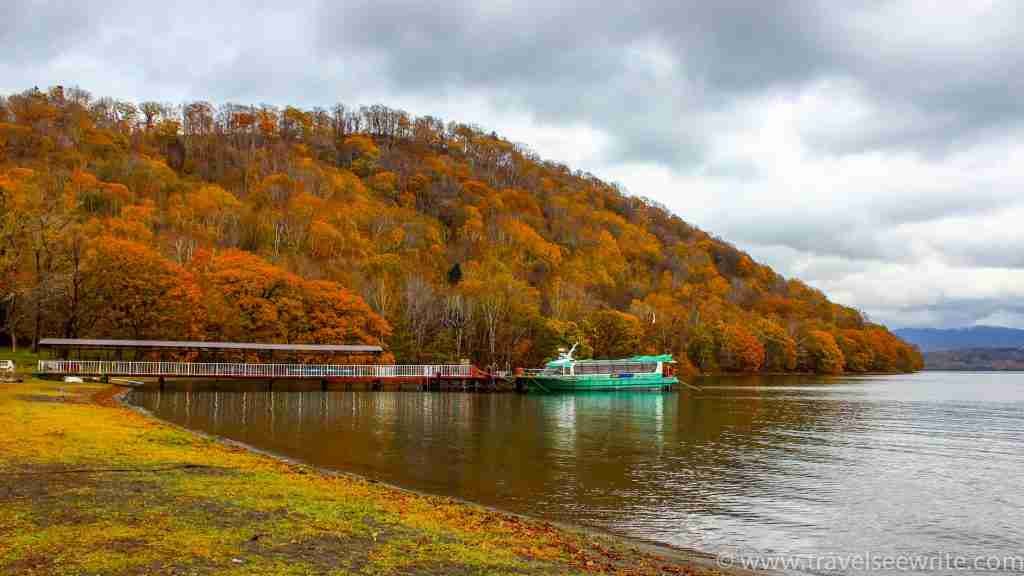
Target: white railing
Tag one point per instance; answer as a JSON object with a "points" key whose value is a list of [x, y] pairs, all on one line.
{"points": [[241, 370], [6, 366]]}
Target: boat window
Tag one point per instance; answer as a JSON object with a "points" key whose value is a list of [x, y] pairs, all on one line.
{"points": [[556, 370], [615, 367]]}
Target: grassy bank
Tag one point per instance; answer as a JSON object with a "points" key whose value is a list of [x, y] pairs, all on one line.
{"points": [[24, 359], [90, 487]]}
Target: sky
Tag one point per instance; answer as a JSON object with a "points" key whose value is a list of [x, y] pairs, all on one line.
{"points": [[873, 149]]}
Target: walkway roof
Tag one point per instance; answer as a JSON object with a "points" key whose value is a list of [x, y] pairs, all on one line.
{"points": [[230, 346]]}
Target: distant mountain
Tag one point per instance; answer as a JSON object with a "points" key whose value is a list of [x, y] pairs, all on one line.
{"points": [[975, 359], [931, 339]]}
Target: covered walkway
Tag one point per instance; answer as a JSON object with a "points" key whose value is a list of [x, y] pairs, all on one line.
{"points": [[190, 360]]}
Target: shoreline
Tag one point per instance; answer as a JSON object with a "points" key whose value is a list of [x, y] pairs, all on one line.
{"points": [[701, 559], [247, 510], [813, 374]]}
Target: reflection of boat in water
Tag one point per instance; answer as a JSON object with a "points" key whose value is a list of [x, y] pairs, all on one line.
{"points": [[567, 374]]}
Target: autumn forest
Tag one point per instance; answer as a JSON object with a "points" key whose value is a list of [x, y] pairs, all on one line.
{"points": [[438, 240]]}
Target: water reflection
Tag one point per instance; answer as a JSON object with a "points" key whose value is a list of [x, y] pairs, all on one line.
{"points": [[904, 464]]}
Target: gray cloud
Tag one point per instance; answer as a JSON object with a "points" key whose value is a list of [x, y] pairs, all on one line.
{"points": [[853, 144], [645, 72], [954, 313], [36, 31], [572, 60]]}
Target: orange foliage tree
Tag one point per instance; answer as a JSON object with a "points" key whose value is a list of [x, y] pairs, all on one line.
{"points": [[779, 347], [314, 225], [614, 334], [138, 293], [741, 351], [247, 298], [820, 353]]}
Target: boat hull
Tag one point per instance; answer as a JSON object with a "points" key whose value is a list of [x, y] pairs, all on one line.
{"points": [[597, 383]]}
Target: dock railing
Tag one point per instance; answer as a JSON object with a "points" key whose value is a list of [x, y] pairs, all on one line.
{"points": [[242, 370]]}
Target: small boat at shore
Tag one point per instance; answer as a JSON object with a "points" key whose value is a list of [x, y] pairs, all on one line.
{"points": [[567, 374]]}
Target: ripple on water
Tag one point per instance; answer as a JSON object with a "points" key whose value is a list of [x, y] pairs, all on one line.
{"points": [[924, 463]]}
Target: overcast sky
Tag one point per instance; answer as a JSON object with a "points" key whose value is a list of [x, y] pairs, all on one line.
{"points": [[873, 149]]}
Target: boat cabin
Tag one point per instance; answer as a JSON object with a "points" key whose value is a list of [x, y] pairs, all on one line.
{"points": [[568, 366]]}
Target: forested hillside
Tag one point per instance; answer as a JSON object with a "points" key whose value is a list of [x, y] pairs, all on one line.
{"points": [[975, 359], [439, 240]]}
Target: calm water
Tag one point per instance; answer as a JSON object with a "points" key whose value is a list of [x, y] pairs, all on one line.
{"points": [[930, 463]]}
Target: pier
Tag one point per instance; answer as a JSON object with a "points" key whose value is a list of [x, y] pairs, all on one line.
{"points": [[83, 363], [102, 368]]}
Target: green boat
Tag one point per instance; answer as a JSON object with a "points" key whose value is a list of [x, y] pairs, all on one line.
{"points": [[566, 374]]}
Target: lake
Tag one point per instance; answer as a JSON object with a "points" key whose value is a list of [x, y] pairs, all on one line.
{"points": [[924, 464]]}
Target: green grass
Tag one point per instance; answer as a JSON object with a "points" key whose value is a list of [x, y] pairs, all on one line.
{"points": [[25, 360], [94, 488]]}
